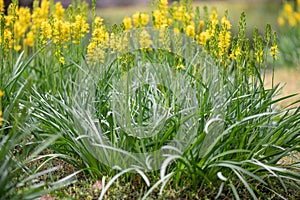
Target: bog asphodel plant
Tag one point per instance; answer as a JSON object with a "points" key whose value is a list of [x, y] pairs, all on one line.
{"points": [[23, 30]]}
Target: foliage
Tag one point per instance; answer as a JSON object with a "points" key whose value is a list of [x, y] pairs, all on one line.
{"points": [[172, 97]]}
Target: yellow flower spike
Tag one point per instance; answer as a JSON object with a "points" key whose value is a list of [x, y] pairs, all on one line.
{"points": [[145, 40], [190, 31], [127, 23], [274, 51], [178, 13], [59, 10], [8, 40], [203, 37], [160, 20], [44, 9], [136, 19], [224, 42], [1, 6], [288, 8], [259, 56], [201, 25], [98, 21], [214, 15], [79, 28], [144, 19], [29, 40], [225, 23], [163, 5], [139, 19]]}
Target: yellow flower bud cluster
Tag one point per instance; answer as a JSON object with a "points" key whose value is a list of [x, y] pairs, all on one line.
{"points": [[140, 19], [98, 42], [224, 37]]}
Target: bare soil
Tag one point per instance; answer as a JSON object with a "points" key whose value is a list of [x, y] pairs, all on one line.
{"points": [[289, 78]]}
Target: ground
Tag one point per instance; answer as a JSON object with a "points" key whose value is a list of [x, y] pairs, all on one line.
{"points": [[289, 78]]}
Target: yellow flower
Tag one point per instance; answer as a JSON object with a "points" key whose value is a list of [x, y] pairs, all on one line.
{"points": [[160, 20], [1, 93], [136, 19], [259, 56], [297, 16], [225, 23], [127, 23], [46, 31], [190, 31], [292, 21], [201, 25], [144, 19], [59, 10], [145, 40], [141, 19], [8, 39], [274, 51], [98, 42], [280, 21], [79, 28], [236, 53], [176, 30], [180, 67], [44, 9], [98, 21], [202, 37], [288, 8], [163, 5], [213, 16], [178, 13], [1, 6], [17, 47], [224, 42], [61, 60]]}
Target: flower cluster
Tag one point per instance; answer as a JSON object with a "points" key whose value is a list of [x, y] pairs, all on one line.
{"points": [[65, 29], [289, 15], [23, 30], [209, 31], [99, 41]]}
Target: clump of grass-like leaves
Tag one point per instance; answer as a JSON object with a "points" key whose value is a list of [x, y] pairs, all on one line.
{"points": [[171, 97]]}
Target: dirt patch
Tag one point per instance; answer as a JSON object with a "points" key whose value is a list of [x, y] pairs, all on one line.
{"points": [[290, 79]]}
